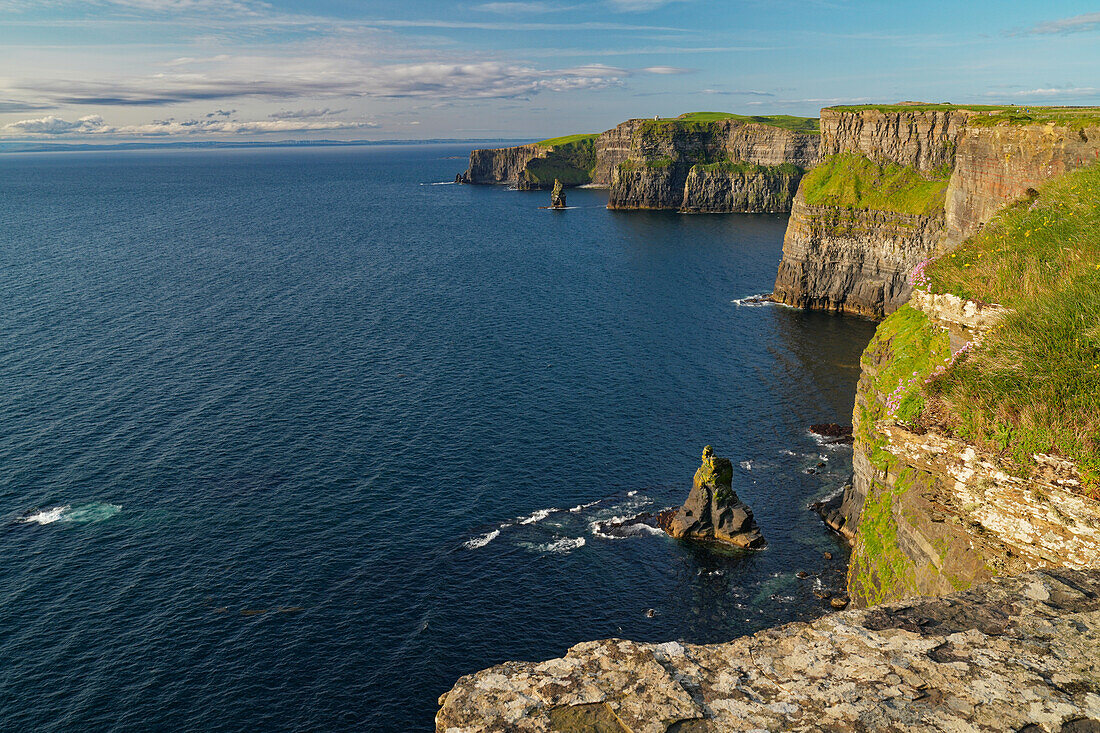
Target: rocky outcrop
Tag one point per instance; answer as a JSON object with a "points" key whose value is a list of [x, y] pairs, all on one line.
{"points": [[557, 196], [712, 512], [851, 260], [1015, 654], [998, 164], [500, 165]]}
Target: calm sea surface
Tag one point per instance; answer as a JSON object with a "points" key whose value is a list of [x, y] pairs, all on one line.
{"points": [[292, 439]]}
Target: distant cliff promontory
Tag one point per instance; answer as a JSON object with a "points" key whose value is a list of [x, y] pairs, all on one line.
{"points": [[705, 162]]}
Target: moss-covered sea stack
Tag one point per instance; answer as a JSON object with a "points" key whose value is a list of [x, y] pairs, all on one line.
{"points": [[712, 511]]}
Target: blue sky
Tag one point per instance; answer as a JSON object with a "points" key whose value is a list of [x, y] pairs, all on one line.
{"points": [[384, 69]]}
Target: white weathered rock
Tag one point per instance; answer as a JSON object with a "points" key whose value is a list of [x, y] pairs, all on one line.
{"points": [[1016, 652]]}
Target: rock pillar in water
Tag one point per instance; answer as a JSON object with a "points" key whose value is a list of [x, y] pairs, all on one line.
{"points": [[557, 196], [712, 511]]}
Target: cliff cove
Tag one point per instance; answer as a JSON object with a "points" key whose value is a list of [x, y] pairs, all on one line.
{"points": [[971, 230]]}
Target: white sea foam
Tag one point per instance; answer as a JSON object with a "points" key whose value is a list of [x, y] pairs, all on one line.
{"points": [[482, 540], [787, 452], [442, 183], [580, 507], [632, 493], [537, 516], [747, 465], [753, 301], [565, 544], [96, 511], [49, 516]]}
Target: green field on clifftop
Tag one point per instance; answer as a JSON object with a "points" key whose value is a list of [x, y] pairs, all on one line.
{"points": [[855, 182], [995, 114], [1034, 384], [785, 122]]}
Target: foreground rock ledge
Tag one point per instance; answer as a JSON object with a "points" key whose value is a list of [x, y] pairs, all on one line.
{"points": [[1016, 654]]}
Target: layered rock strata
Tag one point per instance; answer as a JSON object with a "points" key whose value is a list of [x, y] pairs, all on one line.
{"points": [[851, 260], [1015, 654], [990, 166], [712, 512], [713, 167], [681, 165], [1000, 164]]}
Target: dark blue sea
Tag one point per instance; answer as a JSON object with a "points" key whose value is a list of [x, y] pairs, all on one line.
{"points": [[292, 439]]}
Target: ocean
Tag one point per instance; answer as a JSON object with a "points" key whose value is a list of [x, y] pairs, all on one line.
{"points": [[291, 439]]}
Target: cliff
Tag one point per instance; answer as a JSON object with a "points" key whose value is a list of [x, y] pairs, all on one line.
{"points": [[709, 165], [702, 162], [978, 158], [977, 426], [1014, 654]]}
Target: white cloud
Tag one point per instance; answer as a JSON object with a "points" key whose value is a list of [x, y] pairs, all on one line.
{"points": [[1074, 24], [521, 7], [223, 78], [667, 70], [95, 125], [51, 125], [305, 114], [637, 6]]}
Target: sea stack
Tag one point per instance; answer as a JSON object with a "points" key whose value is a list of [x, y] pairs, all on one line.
{"points": [[712, 511], [557, 196]]}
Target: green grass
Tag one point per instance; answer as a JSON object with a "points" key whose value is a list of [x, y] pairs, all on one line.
{"points": [[786, 122], [1034, 384], [855, 182], [572, 161], [997, 114], [567, 140]]}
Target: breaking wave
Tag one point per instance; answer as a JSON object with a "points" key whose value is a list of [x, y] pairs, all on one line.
{"points": [[481, 540], [96, 511]]}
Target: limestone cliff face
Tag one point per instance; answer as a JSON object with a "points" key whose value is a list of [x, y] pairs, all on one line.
{"points": [[851, 260], [997, 165], [991, 166], [1016, 654], [924, 140], [501, 165], [714, 167], [697, 167], [929, 514]]}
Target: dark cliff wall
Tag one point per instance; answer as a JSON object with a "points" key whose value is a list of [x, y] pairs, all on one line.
{"points": [[726, 165], [706, 167]]}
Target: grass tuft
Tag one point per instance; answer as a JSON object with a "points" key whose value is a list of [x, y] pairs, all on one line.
{"points": [[1034, 384], [852, 181]]}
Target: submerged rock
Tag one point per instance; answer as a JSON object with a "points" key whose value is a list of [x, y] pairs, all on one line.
{"points": [[557, 196], [713, 511]]}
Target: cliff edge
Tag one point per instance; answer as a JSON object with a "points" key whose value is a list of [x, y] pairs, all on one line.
{"points": [[1014, 654]]}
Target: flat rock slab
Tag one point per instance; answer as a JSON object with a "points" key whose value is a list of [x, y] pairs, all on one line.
{"points": [[1018, 653]]}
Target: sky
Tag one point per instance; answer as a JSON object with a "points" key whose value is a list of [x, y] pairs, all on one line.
{"points": [[123, 70]]}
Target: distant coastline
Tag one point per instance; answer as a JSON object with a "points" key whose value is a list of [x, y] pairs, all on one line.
{"points": [[52, 147]]}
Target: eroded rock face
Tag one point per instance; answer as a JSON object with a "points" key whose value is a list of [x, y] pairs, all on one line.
{"points": [[674, 167], [501, 165], [851, 260], [996, 166], [557, 196], [1013, 653], [712, 511], [924, 140]]}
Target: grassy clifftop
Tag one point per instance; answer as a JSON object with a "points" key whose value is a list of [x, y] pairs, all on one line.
{"points": [[1034, 384], [695, 119], [855, 182], [988, 115]]}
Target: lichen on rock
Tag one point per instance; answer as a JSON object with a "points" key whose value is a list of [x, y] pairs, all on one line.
{"points": [[712, 511]]}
